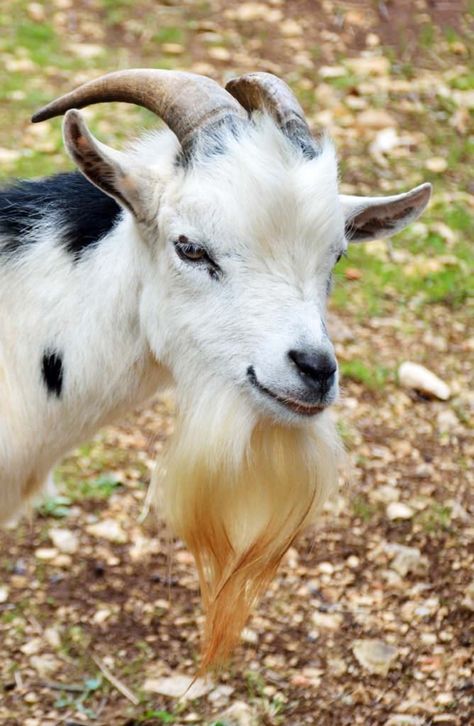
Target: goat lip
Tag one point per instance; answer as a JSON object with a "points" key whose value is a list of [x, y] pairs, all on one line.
{"points": [[299, 407]]}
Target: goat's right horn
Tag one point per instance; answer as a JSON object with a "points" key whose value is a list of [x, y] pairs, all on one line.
{"points": [[257, 91], [188, 103]]}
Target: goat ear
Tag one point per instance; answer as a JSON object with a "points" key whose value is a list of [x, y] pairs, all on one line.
{"points": [[110, 170], [370, 218]]}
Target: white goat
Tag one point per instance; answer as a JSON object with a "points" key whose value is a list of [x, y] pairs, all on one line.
{"points": [[201, 256]]}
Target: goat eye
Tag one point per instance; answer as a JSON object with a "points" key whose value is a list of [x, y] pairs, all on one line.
{"points": [[340, 256], [189, 251], [197, 255]]}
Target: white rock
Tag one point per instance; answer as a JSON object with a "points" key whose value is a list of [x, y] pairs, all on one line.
{"points": [[108, 529], [52, 637], [64, 540], [221, 693], [46, 553], [403, 719], [239, 714], [179, 686], [31, 647], [405, 559], [398, 510], [375, 655], [447, 421], [327, 621], [3, 593], [385, 141], [249, 636], [468, 600], [45, 664], [419, 378]]}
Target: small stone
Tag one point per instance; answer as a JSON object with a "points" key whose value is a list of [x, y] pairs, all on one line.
{"points": [[239, 714], [447, 421], [179, 686], [419, 378], [371, 65], [468, 600], [337, 666], [326, 568], [444, 699], [31, 647], [405, 559], [403, 719], [375, 118], [374, 655], [172, 48], [3, 593], [290, 27], [101, 615], [64, 540], [108, 529], [398, 510], [36, 12], [45, 664], [218, 52], [221, 693], [249, 636], [52, 637], [30, 697], [46, 553], [436, 164], [326, 621]]}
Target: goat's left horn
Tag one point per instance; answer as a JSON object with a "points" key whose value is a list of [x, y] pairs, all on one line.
{"points": [[257, 91], [187, 102]]}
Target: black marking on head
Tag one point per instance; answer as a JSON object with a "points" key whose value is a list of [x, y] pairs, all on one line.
{"points": [[80, 211], [52, 371], [211, 140]]}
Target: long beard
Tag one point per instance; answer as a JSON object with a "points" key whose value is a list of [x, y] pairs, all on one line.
{"points": [[238, 492]]}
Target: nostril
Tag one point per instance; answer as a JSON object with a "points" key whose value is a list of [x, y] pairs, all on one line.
{"points": [[315, 367]]}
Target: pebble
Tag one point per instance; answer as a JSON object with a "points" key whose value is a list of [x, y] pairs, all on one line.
{"points": [[179, 686], [45, 664], [405, 559], [239, 714], [419, 378], [326, 621], [374, 655], [398, 510], [46, 553], [108, 529], [64, 540], [3, 593], [447, 421], [402, 719], [468, 600]]}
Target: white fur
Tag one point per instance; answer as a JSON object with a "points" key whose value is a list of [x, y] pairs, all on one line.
{"points": [[131, 316]]}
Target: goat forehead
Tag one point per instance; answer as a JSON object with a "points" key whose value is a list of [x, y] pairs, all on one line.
{"points": [[265, 199]]}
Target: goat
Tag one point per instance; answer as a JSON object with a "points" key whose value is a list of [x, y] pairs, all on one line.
{"points": [[201, 258]]}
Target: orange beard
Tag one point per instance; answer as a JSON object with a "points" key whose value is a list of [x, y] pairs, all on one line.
{"points": [[238, 493]]}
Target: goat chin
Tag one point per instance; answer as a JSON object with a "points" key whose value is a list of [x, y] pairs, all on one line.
{"points": [[238, 491]]}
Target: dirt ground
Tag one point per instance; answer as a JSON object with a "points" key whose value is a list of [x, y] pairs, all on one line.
{"points": [[96, 607]]}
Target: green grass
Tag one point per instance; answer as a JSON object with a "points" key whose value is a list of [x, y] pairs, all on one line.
{"points": [[372, 377]]}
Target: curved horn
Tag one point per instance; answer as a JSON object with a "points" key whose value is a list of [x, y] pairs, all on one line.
{"points": [[186, 102], [256, 91]]}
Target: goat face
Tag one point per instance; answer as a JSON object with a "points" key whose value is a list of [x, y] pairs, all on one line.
{"points": [[247, 243], [244, 225]]}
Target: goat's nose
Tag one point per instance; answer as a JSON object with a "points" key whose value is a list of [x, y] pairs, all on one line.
{"points": [[318, 370]]}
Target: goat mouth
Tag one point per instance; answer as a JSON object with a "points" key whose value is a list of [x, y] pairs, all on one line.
{"points": [[299, 407]]}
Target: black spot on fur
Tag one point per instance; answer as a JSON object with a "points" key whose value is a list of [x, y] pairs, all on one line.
{"points": [[52, 370], [80, 212]]}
